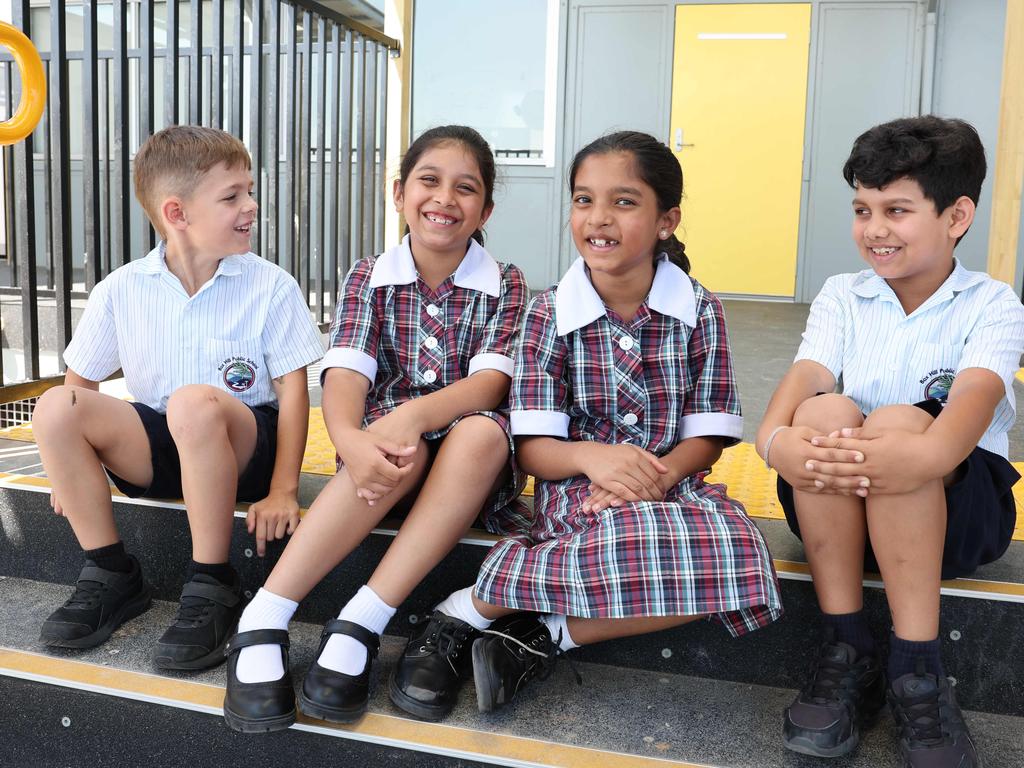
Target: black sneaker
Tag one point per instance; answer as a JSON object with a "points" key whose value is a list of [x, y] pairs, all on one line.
{"points": [[436, 660], [509, 655], [102, 601], [933, 733], [844, 694], [206, 619]]}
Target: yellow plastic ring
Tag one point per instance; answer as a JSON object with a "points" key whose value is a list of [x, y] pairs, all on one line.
{"points": [[33, 85]]}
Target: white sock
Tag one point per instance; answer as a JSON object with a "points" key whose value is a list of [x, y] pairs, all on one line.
{"points": [[262, 663], [346, 654], [555, 624], [459, 605]]}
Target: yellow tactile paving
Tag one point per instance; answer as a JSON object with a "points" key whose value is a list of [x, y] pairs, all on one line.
{"points": [[740, 469]]}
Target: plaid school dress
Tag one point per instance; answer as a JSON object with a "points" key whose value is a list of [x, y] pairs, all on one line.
{"points": [[410, 341], [582, 373]]}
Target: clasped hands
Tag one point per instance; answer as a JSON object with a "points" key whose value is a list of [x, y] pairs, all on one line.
{"points": [[624, 473], [380, 457]]}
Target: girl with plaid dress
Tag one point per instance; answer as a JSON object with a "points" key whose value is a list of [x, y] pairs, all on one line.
{"points": [[623, 397], [415, 384]]}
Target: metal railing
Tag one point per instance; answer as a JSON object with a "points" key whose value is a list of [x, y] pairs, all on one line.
{"points": [[303, 86]]}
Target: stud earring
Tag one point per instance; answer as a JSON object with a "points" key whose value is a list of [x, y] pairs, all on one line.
{"points": [[663, 234]]}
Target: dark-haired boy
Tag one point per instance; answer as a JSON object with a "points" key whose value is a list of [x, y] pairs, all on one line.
{"points": [[906, 470], [214, 343]]}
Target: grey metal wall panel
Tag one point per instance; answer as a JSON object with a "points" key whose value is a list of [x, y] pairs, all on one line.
{"points": [[520, 229]]}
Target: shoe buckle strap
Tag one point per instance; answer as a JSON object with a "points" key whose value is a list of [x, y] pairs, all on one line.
{"points": [[356, 631], [213, 592], [257, 637], [101, 575]]}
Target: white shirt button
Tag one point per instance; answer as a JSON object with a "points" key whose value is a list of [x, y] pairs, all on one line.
{"points": [[429, 376], [433, 310], [626, 343], [430, 342], [630, 419]]}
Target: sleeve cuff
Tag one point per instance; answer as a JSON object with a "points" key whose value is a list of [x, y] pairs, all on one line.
{"points": [[491, 361], [551, 423], [727, 425], [353, 359]]}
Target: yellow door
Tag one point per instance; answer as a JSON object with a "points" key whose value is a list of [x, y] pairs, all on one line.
{"points": [[739, 90]]}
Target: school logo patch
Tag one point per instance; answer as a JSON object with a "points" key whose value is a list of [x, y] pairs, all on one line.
{"points": [[937, 384], [238, 373]]}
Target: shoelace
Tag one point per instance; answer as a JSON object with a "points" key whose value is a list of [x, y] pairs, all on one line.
{"points": [[191, 611], [922, 719], [826, 679], [86, 595], [448, 639], [546, 659]]}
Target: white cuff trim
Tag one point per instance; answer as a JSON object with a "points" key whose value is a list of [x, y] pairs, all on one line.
{"points": [[711, 425], [491, 361], [348, 357], [551, 423]]}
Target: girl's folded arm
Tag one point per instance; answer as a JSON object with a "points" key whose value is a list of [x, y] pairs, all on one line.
{"points": [[483, 391], [548, 458], [690, 456], [344, 401]]}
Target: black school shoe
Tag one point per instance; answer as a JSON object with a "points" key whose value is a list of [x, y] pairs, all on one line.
{"points": [[845, 693], [258, 707], [333, 696], [207, 616], [436, 660], [933, 733], [102, 601], [509, 655]]}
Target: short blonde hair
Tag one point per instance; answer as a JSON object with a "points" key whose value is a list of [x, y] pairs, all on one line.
{"points": [[172, 162]]}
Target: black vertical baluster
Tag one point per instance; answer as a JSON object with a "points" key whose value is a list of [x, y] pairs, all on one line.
{"points": [[25, 200], [171, 65], [119, 188], [237, 58], [60, 179], [147, 90], [332, 204], [289, 256], [321, 168], [345, 257], [217, 67], [359, 143], [9, 200], [90, 148], [103, 110], [306, 117], [380, 187], [256, 97], [270, 205], [370, 137], [48, 174], [195, 90]]}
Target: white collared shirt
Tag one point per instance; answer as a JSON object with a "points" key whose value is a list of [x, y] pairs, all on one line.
{"points": [[859, 331], [246, 326]]}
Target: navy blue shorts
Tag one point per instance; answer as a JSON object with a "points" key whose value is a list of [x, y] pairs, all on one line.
{"points": [[980, 511], [253, 483]]}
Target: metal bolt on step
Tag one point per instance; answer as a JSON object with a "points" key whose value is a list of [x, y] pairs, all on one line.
{"points": [[666, 653], [413, 618], [248, 594], [952, 680], [955, 635], [65, 721], [248, 552]]}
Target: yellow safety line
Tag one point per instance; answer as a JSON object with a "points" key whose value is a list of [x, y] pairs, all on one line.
{"points": [[373, 727], [1020, 375]]}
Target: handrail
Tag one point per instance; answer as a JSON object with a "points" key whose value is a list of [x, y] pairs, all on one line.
{"points": [[33, 85], [355, 26]]}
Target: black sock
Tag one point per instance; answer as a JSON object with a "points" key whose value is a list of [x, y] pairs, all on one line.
{"points": [[904, 654], [222, 572], [852, 629], [111, 557]]}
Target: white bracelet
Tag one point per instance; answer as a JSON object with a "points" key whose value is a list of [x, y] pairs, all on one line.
{"points": [[768, 444]]}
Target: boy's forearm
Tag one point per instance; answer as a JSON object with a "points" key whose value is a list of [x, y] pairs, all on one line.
{"points": [[292, 427], [972, 402], [72, 379], [803, 381], [483, 391]]}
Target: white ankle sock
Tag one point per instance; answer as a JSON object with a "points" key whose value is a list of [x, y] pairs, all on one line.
{"points": [[555, 624], [262, 663], [459, 605], [346, 654]]}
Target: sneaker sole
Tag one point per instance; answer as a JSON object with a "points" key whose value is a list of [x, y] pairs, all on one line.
{"points": [[408, 704], [487, 688], [331, 714], [213, 659], [128, 611], [266, 725], [807, 747]]}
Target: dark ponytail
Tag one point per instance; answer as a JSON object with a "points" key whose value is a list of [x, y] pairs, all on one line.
{"points": [[657, 167], [472, 141]]}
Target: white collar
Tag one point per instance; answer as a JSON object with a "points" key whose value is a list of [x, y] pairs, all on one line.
{"points": [[478, 271], [155, 262], [577, 303], [869, 285]]}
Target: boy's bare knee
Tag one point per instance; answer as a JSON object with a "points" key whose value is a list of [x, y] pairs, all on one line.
{"points": [[55, 409], [194, 411], [827, 413], [907, 418]]}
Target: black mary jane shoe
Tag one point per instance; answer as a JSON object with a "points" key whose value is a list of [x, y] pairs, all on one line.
{"points": [[258, 707], [333, 696]]}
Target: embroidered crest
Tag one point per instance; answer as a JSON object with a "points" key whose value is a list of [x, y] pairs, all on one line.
{"points": [[937, 384], [238, 373]]}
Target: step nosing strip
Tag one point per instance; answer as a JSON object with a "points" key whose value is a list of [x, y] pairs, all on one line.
{"points": [[374, 728]]}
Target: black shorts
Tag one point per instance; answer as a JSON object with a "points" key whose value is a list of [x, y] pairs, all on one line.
{"points": [[253, 483], [980, 511]]}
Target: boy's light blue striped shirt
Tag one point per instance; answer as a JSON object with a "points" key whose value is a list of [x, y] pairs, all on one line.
{"points": [[859, 331], [246, 326]]}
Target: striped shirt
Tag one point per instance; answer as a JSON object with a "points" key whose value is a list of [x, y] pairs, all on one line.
{"points": [[246, 326], [882, 356]]}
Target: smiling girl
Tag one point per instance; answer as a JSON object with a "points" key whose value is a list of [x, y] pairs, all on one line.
{"points": [[418, 372], [622, 399]]}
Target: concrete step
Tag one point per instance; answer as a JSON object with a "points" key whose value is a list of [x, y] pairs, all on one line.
{"points": [[619, 717]]}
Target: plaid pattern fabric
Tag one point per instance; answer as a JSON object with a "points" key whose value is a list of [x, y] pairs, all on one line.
{"points": [[424, 340], [696, 552]]}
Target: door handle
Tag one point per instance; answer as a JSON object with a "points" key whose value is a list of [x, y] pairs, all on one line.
{"points": [[679, 140]]}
